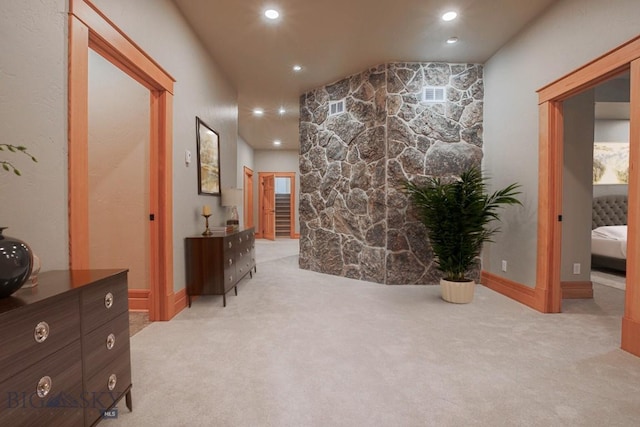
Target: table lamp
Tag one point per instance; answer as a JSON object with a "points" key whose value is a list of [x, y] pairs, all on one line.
{"points": [[232, 197]]}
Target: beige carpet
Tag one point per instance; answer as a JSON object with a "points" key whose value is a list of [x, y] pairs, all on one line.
{"points": [[297, 348]]}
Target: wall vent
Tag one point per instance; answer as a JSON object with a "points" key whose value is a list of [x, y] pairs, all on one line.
{"points": [[336, 107], [434, 94]]}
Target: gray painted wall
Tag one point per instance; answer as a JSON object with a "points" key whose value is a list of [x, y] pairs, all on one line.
{"points": [[568, 35], [33, 108], [245, 159], [33, 111], [577, 185]]}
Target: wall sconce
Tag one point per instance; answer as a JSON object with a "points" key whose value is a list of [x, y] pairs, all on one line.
{"points": [[232, 197]]}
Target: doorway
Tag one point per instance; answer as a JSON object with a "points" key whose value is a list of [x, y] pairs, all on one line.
{"points": [[89, 29], [551, 97], [248, 197], [118, 185], [276, 205]]}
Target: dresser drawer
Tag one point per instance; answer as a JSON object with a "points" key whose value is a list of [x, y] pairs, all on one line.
{"points": [[105, 344], [40, 330], [20, 404], [98, 385], [103, 302]]}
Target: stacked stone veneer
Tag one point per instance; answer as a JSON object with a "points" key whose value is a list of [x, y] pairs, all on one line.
{"points": [[355, 221]]}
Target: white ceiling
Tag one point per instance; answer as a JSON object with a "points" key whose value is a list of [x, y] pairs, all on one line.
{"points": [[332, 39]]}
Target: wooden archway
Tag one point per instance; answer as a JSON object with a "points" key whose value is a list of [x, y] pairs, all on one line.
{"points": [[91, 29]]}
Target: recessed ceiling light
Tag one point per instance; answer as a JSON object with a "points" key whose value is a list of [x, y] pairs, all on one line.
{"points": [[449, 16], [277, 142], [452, 40], [282, 110], [272, 14], [297, 68], [258, 111]]}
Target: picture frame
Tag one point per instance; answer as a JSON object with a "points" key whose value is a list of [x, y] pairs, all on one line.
{"points": [[208, 141], [610, 163]]}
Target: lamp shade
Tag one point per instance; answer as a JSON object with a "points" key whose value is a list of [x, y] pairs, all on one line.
{"points": [[231, 197]]}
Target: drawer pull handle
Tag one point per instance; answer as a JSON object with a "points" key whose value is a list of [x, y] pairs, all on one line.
{"points": [[41, 333], [113, 379], [111, 341], [230, 261], [231, 278], [240, 238], [44, 386], [108, 300], [230, 245]]}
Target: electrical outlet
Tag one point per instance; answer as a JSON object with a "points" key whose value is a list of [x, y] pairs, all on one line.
{"points": [[576, 268], [504, 265]]}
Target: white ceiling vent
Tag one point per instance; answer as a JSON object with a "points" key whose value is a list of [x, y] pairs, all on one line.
{"points": [[434, 94], [336, 107]]}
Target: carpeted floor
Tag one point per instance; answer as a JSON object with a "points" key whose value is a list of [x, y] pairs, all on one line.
{"points": [[137, 322], [298, 348]]}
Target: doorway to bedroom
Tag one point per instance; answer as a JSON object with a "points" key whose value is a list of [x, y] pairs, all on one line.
{"points": [[594, 198]]}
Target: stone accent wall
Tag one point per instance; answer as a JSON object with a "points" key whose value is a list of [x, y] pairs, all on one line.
{"points": [[354, 219]]}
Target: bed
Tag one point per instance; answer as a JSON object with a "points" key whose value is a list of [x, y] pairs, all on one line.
{"points": [[609, 233]]}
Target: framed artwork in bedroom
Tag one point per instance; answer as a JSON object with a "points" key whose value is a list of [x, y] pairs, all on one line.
{"points": [[610, 163]]}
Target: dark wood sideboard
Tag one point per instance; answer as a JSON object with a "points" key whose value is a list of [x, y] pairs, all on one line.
{"points": [[64, 349], [216, 263]]}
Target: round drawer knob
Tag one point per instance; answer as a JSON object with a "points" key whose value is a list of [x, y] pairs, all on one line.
{"points": [[108, 300], [240, 239], [44, 386], [111, 341], [230, 244], [230, 261], [231, 278], [113, 379], [41, 332]]}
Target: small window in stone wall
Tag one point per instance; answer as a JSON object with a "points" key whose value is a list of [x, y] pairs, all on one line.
{"points": [[336, 107], [434, 94]]}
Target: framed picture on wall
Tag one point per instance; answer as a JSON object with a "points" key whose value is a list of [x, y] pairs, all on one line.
{"points": [[208, 159], [611, 163]]}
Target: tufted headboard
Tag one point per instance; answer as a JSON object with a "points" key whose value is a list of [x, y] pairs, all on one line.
{"points": [[609, 210]]}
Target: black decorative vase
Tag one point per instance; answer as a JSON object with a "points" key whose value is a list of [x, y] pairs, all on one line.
{"points": [[16, 260]]}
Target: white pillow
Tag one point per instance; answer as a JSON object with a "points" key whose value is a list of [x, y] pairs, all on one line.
{"points": [[611, 232]]}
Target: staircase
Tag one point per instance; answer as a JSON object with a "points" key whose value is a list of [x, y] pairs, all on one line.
{"points": [[283, 215]]}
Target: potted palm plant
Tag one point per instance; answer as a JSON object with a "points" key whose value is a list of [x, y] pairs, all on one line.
{"points": [[458, 215]]}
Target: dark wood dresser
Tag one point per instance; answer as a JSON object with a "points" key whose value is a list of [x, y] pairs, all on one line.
{"points": [[215, 264], [64, 349]]}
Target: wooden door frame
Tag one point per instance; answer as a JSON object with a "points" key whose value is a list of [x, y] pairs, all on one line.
{"points": [[89, 28], [248, 197], [292, 209], [550, 97]]}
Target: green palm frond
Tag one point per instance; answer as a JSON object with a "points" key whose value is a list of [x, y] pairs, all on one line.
{"points": [[457, 216]]}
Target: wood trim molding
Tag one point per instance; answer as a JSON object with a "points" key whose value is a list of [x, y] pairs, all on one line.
{"points": [[600, 69], [549, 203], [90, 28], [296, 236], [179, 301], [577, 290], [78, 163], [139, 299], [631, 320], [630, 334], [516, 291], [111, 42]]}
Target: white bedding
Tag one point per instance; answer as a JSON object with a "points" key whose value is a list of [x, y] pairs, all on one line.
{"points": [[610, 241]]}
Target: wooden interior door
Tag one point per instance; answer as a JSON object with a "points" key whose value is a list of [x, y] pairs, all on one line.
{"points": [[248, 197], [268, 217]]}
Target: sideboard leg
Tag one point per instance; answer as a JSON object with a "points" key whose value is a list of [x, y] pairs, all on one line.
{"points": [[127, 399], [236, 289], [224, 300]]}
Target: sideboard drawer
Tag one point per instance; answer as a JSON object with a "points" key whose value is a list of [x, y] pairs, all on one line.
{"points": [[41, 330], [118, 371], [62, 405], [105, 343], [104, 302]]}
